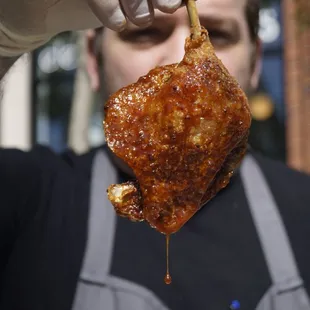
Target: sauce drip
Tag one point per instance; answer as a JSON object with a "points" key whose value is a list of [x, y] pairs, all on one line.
{"points": [[167, 278]]}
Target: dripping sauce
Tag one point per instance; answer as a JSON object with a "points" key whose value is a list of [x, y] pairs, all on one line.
{"points": [[167, 278]]}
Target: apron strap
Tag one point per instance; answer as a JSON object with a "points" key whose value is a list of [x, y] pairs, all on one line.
{"points": [[101, 222], [97, 288], [270, 228]]}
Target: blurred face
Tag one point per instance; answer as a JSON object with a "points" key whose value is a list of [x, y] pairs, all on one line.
{"points": [[132, 53]]}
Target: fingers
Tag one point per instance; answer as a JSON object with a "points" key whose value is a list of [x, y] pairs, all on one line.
{"points": [[113, 13], [167, 6], [139, 12], [109, 12]]}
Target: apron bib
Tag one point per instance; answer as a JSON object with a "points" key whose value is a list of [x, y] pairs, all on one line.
{"points": [[97, 289]]}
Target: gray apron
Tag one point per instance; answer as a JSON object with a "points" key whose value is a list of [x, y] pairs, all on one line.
{"points": [[97, 289], [287, 291]]}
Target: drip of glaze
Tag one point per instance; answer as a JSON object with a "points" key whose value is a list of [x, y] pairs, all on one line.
{"points": [[167, 278]]}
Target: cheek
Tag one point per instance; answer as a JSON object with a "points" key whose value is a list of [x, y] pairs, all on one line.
{"points": [[123, 66], [237, 61]]}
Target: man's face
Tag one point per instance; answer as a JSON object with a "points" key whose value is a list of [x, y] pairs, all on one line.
{"points": [[132, 53]]}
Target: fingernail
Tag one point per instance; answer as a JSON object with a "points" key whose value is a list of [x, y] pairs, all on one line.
{"points": [[143, 19], [169, 6], [118, 20]]}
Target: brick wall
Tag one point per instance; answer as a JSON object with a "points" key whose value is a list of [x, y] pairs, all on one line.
{"points": [[297, 82]]}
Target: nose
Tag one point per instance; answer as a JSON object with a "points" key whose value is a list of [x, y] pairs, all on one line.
{"points": [[174, 46]]}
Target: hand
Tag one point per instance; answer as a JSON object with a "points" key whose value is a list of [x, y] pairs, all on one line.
{"points": [[27, 24], [113, 13]]}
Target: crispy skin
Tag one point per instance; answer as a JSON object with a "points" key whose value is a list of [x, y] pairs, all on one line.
{"points": [[182, 129], [126, 199]]}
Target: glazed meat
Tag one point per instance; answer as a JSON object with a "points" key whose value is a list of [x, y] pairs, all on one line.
{"points": [[183, 130]]}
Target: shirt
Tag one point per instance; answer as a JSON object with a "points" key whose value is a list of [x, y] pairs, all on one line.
{"points": [[215, 258]]}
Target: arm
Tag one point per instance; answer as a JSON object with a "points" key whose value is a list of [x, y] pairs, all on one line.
{"points": [[31, 30], [20, 190], [26, 25]]}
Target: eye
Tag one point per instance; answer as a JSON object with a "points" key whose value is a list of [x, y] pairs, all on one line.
{"points": [[220, 38], [144, 38]]}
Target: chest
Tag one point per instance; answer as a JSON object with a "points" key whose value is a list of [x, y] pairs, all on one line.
{"points": [[208, 271], [212, 267], [215, 259]]}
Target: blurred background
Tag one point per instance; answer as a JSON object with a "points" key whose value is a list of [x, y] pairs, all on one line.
{"points": [[54, 108]]}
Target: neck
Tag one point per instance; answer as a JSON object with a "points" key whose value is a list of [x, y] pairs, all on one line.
{"points": [[120, 164]]}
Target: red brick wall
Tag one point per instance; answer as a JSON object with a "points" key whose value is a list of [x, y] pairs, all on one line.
{"points": [[297, 83]]}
